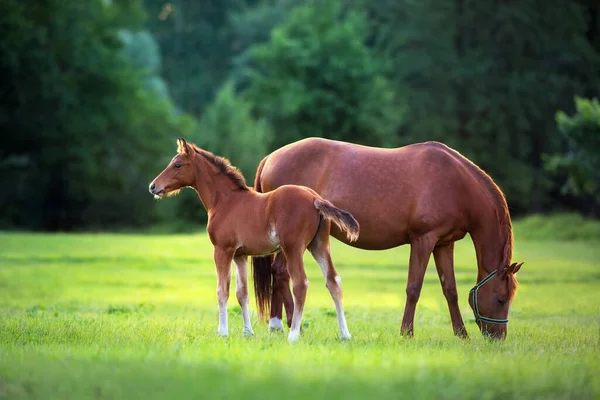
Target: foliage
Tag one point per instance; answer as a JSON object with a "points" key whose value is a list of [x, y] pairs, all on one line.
{"points": [[84, 134], [317, 77], [250, 26], [142, 52], [79, 322], [195, 46], [582, 161], [487, 78]]}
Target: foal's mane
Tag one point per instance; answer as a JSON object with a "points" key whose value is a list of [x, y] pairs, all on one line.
{"points": [[224, 167]]}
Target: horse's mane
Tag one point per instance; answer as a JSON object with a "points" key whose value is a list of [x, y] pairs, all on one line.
{"points": [[224, 167], [500, 209]]}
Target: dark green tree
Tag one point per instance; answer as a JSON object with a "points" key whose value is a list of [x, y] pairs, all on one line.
{"points": [[581, 163], [317, 77], [81, 136], [195, 45], [487, 77]]}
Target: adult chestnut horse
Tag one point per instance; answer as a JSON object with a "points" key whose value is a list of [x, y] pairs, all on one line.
{"points": [[425, 194], [243, 222]]}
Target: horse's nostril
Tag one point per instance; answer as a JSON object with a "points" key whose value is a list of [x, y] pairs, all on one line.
{"points": [[152, 186]]}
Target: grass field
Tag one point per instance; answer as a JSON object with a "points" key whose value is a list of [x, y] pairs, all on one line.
{"points": [[134, 316]]}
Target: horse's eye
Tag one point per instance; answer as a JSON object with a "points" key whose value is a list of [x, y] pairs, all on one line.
{"points": [[177, 165], [501, 300]]}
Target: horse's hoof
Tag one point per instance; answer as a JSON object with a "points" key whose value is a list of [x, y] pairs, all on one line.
{"points": [[248, 332], [293, 337], [346, 336], [222, 333], [275, 324]]}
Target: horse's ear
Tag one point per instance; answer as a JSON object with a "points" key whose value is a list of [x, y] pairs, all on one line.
{"points": [[514, 268], [182, 146]]}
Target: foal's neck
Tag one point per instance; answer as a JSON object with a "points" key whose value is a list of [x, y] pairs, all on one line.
{"points": [[212, 187]]}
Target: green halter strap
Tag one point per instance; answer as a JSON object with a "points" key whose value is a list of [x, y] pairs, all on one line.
{"points": [[478, 316]]}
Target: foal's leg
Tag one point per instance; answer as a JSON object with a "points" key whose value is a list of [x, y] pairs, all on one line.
{"points": [[223, 259], [420, 252], [241, 291], [444, 263], [295, 267], [319, 248]]}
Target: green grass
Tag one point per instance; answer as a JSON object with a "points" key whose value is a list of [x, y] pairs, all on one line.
{"points": [[135, 316], [565, 226]]}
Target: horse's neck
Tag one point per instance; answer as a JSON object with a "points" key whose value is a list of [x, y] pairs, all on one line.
{"points": [[491, 241], [211, 186]]}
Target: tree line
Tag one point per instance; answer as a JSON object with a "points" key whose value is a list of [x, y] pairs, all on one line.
{"points": [[93, 95]]}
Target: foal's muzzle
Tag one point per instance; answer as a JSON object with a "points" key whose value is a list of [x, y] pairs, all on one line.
{"points": [[153, 189]]}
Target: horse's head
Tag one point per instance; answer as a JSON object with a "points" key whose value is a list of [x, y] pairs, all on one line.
{"points": [[179, 172], [490, 300]]}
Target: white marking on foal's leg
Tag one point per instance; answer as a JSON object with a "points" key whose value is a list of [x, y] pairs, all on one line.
{"points": [[442, 278], [241, 281], [223, 330], [344, 333], [294, 334], [275, 324], [246, 317]]}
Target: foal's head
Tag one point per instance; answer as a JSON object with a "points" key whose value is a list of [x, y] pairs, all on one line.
{"points": [[494, 298], [178, 174]]}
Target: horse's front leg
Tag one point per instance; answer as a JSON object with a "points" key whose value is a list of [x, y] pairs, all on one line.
{"points": [[223, 259], [444, 263], [420, 252], [241, 291]]}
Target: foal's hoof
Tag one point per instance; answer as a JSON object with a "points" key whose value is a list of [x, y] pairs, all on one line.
{"points": [[345, 336], [275, 324], [222, 333], [293, 337], [248, 332]]}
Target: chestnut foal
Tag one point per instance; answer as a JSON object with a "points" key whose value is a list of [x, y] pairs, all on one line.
{"points": [[243, 222]]}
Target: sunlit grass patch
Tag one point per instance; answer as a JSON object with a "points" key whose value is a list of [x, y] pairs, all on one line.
{"points": [[134, 316]]}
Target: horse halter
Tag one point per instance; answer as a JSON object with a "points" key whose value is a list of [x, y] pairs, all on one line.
{"points": [[478, 316]]}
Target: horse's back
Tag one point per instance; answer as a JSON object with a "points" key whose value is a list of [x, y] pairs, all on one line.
{"points": [[395, 194]]}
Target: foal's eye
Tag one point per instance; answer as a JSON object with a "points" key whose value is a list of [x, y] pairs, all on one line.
{"points": [[177, 165]]}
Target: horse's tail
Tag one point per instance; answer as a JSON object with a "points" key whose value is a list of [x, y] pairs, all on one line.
{"points": [[343, 219], [261, 266]]}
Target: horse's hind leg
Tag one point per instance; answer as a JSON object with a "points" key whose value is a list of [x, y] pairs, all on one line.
{"points": [[281, 294], [420, 252], [319, 248], [444, 263]]}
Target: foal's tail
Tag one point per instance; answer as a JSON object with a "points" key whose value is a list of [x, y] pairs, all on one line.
{"points": [[343, 219], [261, 266]]}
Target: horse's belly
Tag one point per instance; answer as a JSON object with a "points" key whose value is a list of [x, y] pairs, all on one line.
{"points": [[372, 240]]}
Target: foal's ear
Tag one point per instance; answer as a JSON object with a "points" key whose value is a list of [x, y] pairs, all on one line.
{"points": [[183, 146], [514, 268]]}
